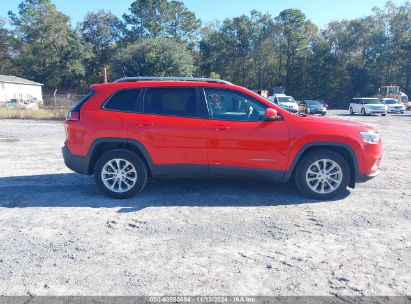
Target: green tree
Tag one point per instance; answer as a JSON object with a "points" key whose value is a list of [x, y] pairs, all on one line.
{"points": [[48, 51], [5, 46], [296, 33], [240, 49], [146, 19], [181, 23], [160, 18], [155, 57], [101, 31]]}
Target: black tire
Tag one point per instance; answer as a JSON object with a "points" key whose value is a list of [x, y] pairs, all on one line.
{"points": [[135, 160], [384, 114], [351, 111], [305, 164], [363, 113]]}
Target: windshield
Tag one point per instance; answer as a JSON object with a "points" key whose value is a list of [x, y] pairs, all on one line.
{"points": [[391, 101], [372, 101], [286, 99]]}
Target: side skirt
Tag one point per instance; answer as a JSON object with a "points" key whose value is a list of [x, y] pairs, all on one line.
{"points": [[204, 171]]}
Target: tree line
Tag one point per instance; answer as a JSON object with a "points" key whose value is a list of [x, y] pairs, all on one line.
{"points": [[347, 58]]}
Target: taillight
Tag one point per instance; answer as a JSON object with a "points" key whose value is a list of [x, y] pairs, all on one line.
{"points": [[73, 116]]}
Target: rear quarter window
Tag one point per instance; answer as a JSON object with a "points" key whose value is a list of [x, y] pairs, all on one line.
{"points": [[81, 102], [123, 101]]}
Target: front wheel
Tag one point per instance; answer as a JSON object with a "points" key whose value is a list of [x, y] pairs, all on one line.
{"points": [[120, 174], [363, 112], [322, 174]]}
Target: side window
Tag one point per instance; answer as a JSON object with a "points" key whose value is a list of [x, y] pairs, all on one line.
{"points": [[123, 101], [171, 102], [231, 105]]}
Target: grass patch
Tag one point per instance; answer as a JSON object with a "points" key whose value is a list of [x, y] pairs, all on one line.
{"points": [[40, 114]]}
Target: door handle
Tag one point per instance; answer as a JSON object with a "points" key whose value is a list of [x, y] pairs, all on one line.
{"points": [[144, 123], [221, 128]]}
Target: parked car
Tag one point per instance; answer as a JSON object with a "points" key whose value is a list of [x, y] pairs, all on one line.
{"points": [[312, 107], [368, 106], [393, 105], [286, 102], [139, 128]]}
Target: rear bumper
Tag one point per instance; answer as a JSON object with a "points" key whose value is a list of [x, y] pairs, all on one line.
{"points": [[76, 163]]}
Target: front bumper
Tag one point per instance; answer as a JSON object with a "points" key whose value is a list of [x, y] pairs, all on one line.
{"points": [[395, 110], [362, 178], [292, 110], [378, 112], [76, 163], [314, 111]]}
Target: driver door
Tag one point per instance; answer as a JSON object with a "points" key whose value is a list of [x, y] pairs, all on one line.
{"points": [[237, 136]]}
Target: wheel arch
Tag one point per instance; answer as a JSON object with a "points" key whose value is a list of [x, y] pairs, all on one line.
{"points": [[103, 145], [343, 149]]}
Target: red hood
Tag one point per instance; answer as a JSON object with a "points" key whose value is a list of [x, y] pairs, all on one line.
{"points": [[336, 122]]}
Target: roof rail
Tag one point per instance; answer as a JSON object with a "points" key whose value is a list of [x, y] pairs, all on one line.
{"points": [[135, 79]]}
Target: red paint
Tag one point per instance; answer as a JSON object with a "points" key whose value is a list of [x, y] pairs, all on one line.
{"points": [[174, 140]]}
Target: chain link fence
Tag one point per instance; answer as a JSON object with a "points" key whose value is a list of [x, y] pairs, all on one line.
{"points": [[54, 106]]}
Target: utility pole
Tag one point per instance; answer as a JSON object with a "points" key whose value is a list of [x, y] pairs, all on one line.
{"points": [[105, 75], [55, 98]]}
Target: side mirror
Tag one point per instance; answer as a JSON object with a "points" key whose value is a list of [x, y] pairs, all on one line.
{"points": [[271, 114]]}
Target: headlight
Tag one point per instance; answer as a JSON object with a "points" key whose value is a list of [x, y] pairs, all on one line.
{"points": [[370, 137]]}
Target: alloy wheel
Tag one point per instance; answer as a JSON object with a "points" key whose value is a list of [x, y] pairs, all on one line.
{"points": [[119, 175], [324, 176]]}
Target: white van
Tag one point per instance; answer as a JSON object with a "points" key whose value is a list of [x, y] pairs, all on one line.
{"points": [[368, 106]]}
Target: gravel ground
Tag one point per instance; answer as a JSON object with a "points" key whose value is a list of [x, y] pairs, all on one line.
{"points": [[60, 236]]}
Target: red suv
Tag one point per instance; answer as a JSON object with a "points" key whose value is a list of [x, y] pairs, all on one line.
{"points": [[136, 128]]}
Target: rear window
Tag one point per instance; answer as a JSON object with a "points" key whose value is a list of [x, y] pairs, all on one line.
{"points": [[171, 101], [123, 101]]}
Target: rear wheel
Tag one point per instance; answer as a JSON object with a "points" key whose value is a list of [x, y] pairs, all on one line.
{"points": [[351, 111], [322, 174], [384, 114], [120, 174]]}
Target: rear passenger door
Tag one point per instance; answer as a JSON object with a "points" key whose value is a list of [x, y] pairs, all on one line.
{"points": [[171, 126]]}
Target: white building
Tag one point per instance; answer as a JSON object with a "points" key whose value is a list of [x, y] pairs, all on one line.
{"points": [[19, 89]]}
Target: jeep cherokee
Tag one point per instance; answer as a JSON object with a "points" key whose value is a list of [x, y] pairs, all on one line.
{"points": [[145, 127]]}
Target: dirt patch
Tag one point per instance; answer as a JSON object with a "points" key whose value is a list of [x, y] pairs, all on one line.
{"points": [[60, 236]]}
